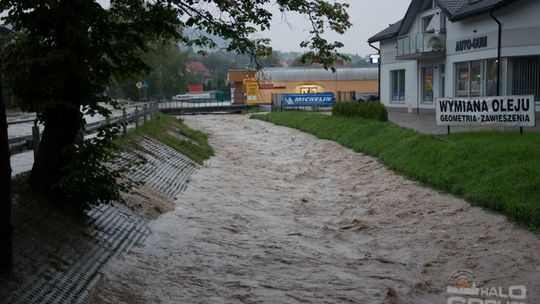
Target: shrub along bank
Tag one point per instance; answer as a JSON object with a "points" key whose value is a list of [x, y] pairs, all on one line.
{"points": [[370, 110], [497, 170]]}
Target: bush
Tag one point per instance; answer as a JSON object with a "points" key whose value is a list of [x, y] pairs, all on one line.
{"points": [[370, 110], [91, 178]]}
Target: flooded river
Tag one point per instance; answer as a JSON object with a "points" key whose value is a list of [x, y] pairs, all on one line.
{"points": [[279, 216]]}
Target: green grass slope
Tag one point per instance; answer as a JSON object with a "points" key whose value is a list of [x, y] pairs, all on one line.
{"points": [[497, 170], [194, 145]]}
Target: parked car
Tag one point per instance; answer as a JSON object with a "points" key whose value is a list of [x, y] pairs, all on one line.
{"points": [[363, 97]]}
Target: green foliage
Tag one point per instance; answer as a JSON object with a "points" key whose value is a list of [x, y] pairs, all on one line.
{"points": [[91, 178], [194, 145], [66, 53], [167, 75], [240, 24], [370, 110], [496, 170], [13, 110]]}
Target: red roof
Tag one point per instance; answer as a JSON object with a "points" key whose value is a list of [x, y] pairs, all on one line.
{"points": [[198, 68]]}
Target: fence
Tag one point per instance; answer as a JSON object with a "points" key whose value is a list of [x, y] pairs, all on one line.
{"points": [[346, 96], [141, 114], [197, 103]]}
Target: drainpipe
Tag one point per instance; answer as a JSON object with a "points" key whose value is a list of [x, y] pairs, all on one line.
{"points": [[379, 67], [499, 46]]}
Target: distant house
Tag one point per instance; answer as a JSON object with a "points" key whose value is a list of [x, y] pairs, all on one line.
{"points": [[460, 48], [197, 68]]}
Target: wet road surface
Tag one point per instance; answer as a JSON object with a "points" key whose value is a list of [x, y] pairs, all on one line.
{"points": [[279, 216]]}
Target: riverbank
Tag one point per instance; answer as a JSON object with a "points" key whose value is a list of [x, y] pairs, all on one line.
{"points": [[174, 133], [59, 253], [495, 170]]}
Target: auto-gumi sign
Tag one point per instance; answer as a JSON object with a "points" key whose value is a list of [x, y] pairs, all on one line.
{"points": [[472, 44], [516, 111]]}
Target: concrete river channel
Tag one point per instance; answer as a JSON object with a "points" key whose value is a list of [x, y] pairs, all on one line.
{"points": [[279, 216]]}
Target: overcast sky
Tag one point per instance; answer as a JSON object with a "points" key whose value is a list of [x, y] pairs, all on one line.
{"points": [[368, 18]]}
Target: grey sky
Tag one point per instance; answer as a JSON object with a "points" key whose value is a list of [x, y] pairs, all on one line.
{"points": [[368, 18]]}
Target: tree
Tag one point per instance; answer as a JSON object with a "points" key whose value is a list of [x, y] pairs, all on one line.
{"points": [[6, 230], [62, 59], [167, 74], [68, 51]]}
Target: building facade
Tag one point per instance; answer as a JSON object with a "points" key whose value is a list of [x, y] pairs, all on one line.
{"points": [[235, 79], [460, 48], [343, 83]]}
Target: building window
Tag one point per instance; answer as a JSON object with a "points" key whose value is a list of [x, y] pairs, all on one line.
{"points": [[309, 90], [524, 76], [442, 80], [492, 77], [462, 79], [398, 85], [427, 84], [476, 78]]}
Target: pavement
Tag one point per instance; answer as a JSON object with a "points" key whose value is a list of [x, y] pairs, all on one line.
{"points": [[425, 123]]}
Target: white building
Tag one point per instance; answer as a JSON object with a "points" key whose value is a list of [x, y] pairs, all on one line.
{"points": [[452, 48]]}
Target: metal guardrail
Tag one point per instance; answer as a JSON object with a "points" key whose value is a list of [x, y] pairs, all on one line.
{"points": [[203, 106], [139, 116], [31, 142], [21, 121]]}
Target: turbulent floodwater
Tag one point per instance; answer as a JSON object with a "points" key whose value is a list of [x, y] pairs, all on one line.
{"points": [[278, 216]]}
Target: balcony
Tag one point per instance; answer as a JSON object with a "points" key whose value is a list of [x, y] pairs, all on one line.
{"points": [[426, 45]]}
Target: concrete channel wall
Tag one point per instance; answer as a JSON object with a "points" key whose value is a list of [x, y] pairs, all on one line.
{"points": [[58, 259]]}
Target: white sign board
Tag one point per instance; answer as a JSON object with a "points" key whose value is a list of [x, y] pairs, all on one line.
{"points": [[515, 111], [183, 97], [374, 58]]}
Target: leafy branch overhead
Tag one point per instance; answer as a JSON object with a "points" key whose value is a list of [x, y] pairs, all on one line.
{"points": [[239, 21], [78, 39], [66, 53]]}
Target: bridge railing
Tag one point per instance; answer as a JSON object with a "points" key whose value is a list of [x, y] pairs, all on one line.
{"points": [[134, 114], [177, 107], [191, 104]]}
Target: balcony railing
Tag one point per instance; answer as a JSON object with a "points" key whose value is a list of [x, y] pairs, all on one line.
{"points": [[418, 45]]}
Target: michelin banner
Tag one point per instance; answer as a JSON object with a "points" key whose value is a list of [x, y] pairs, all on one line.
{"points": [[515, 111], [308, 100]]}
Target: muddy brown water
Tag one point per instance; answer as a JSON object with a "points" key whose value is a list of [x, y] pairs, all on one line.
{"points": [[279, 216]]}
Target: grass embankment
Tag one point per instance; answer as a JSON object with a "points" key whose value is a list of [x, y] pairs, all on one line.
{"points": [[13, 110], [497, 170], [194, 145]]}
